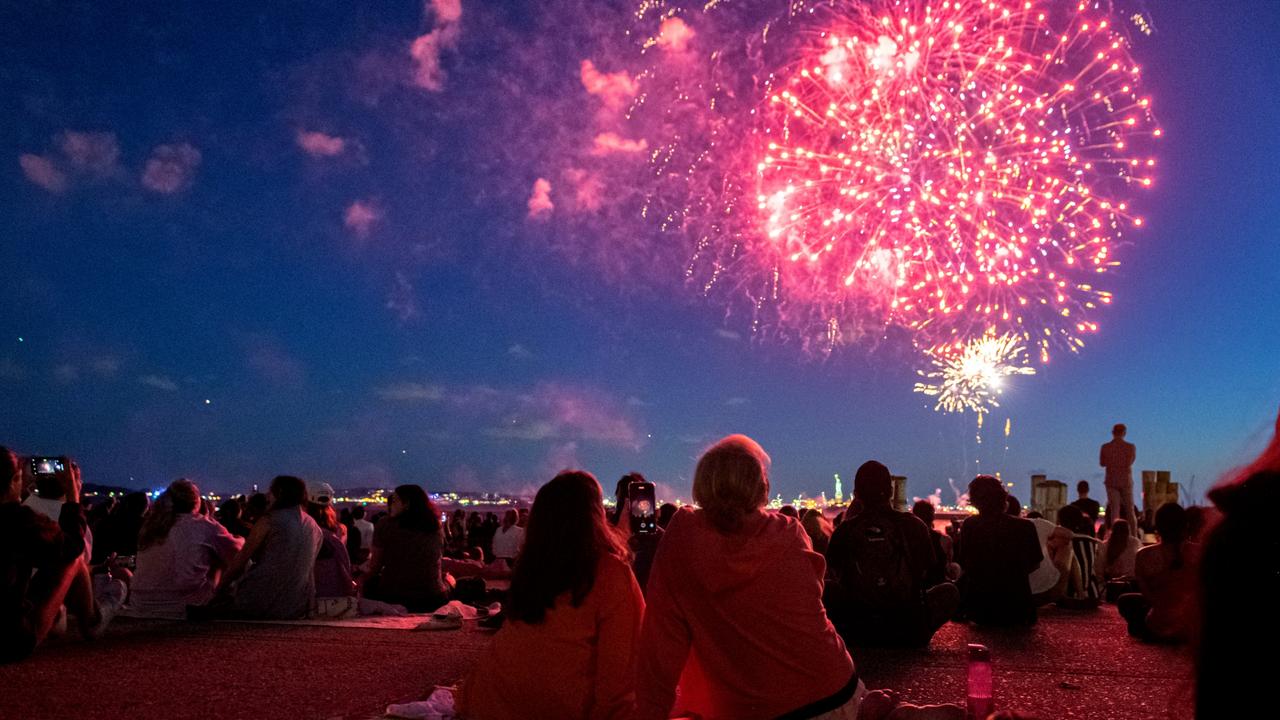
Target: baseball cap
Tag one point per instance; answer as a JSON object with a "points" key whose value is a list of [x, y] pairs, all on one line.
{"points": [[321, 493]]}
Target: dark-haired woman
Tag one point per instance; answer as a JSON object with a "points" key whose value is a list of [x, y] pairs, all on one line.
{"points": [[180, 554], [574, 610], [283, 545], [1166, 574], [404, 566]]}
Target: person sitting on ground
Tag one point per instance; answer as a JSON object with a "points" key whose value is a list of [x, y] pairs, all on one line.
{"points": [[940, 570], [42, 565], [408, 544], [735, 616], [573, 614], [283, 545], [1084, 588], [257, 506], [665, 512], [643, 546], [508, 539], [181, 554], [229, 516], [998, 553], [790, 511], [818, 528], [1089, 506], [878, 564], [117, 534], [333, 564], [360, 543], [1049, 579], [1012, 507], [1239, 582], [1166, 575], [455, 532], [1116, 560], [47, 499]]}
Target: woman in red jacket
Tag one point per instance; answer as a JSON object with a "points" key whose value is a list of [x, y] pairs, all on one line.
{"points": [[573, 616], [735, 627]]}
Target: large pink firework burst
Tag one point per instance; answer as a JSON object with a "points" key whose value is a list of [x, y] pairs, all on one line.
{"points": [[951, 167]]}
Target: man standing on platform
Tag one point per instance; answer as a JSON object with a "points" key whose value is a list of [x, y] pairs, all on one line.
{"points": [[1117, 457]]}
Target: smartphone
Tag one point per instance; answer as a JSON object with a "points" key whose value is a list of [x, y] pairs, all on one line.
{"points": [[644, 512], [46, 466]]}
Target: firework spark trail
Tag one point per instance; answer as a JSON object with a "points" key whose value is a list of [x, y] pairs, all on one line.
{"points": [[953, 167], [972, 376]]}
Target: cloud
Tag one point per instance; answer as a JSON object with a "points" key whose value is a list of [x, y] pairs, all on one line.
{"points": [[271, 362], [636, 402], [411, 391], [614, 89], [581, 414], [360, 217], [736, 402], [66, 373], [171, 168], [159, 382], [105, 367], [402, 300], [41, 171], [95, 153], [535, 430], [728, 334], [674, 35], [318, 144], [561, 456], [540, 199], [426, 49], [519, 351], [608, 142], [588, 189]]}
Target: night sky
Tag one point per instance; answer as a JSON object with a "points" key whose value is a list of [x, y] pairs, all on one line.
{"points": [[258, 238]]}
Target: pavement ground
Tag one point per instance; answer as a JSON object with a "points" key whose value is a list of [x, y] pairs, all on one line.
{"points": [[1071, 665]]}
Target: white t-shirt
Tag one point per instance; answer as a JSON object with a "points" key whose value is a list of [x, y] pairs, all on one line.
{"points": [[182, 570], [1044, 577], [507, 542], [366, 533]]}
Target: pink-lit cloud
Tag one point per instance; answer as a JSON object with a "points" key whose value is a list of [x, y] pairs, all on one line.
{"points": [[607, 143], [171, 168], [270, 361], [615, 90], [361, 216], [41, 171], [540, 203], [93, 153], [319, 144], [674, 35], [426, 49], [588, 189], [561, 412]]}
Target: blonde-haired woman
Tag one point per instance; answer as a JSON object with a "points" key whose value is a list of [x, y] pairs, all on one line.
{"points": [[735, 617], [180, 554]]}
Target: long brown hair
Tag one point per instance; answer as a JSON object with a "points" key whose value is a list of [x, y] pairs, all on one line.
{"points": [[1118, 540], [182, 497], [567, 536]]}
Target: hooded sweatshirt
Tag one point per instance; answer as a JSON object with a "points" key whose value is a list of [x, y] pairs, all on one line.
{"points": [[737, 622]]}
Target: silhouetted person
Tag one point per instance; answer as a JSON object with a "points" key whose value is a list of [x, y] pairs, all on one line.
{"points": [[1166, 575], [998, 552], [1117, 457], [509, 538], [665, 513], [942, 546], [229, 515], [1089, 506], [643, 546], [879, 563], [1084, 585], [1012, 507], [404, 568]]}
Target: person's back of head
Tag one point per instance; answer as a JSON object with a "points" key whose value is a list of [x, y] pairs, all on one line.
{"points": [[987, 494], [665, 513], [357, 512], [287, 491], [415, 509], [256, 506], [566, 538], [1118, 540], [873, 485], [1119, 431], [1034, 515], [1082, 488], [49, 487], [135, 505], [229, 510], [324, 515], [1072, 518], [182, 497], [509, 519], [731, 481], [1012, 506], [924, 510], [1171, 526], [790, 511]]}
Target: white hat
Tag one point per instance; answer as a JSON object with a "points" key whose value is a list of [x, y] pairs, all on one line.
{"points": [[321, 493]]}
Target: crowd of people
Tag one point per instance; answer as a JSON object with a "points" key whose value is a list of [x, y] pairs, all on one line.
{"points": [[725, 610]]}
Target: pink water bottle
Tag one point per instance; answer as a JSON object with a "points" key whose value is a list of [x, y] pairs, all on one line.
{"points": [[980, 680]]}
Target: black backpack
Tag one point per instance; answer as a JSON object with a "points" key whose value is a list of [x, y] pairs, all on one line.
{"points": [[879, 579]]}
